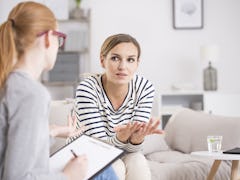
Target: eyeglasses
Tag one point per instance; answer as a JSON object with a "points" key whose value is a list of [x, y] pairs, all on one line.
{"points": [[61, 37]]}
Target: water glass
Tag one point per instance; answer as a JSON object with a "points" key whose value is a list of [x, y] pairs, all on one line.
{"points": [[214, 143]]}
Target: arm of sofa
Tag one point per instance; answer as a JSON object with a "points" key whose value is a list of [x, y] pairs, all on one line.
{"points": [[187, 130], [58, 114], [154, 143]]}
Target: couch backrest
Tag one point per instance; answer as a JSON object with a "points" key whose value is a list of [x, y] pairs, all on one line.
{"points": [[187, 130], [154, 143]]}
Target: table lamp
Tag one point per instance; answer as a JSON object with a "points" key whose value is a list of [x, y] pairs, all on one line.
{"points": [[210, 54]]}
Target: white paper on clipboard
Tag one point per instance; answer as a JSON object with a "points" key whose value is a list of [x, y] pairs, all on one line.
{"points": [[99, 154]]}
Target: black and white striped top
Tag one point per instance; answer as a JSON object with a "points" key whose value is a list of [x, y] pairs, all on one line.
{"points": [[95, 111]]}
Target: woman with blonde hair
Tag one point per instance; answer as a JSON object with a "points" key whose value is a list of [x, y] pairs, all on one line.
{"points": [[29, 42], [116, 106]]}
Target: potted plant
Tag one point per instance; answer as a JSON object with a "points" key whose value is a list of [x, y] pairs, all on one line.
{"points": [[77, 12], [78, 2]]}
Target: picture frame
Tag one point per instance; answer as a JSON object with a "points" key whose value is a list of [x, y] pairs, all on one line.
{"points": [[188, 14]]}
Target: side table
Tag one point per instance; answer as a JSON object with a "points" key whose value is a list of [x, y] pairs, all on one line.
{"points": [[218, 157]]}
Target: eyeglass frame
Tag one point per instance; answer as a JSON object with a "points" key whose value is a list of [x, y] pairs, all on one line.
{"points": [[58, 34]]}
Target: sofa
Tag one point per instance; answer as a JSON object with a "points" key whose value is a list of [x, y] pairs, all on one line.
{"points": [[169, 154]]}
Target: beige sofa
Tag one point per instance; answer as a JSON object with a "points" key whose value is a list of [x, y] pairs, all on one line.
{"points": [[169, 154]]}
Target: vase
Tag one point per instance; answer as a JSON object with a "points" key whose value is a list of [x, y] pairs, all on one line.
{"points": [[210, 78], [77, 13]]}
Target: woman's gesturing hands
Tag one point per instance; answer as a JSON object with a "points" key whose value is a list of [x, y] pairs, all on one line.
{"points": [[65, 131], [125, 131], [151, 127], [135, 132]]}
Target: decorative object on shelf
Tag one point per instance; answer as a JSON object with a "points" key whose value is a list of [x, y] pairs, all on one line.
{"points": [[183, 87], [196, 105], [210, 53], [77, 12], [188, 14]]}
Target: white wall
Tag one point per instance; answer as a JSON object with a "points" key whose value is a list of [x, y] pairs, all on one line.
{"points": [[169, 56]]}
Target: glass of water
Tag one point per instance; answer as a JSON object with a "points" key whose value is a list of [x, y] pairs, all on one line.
{"points": [[214, 143]]}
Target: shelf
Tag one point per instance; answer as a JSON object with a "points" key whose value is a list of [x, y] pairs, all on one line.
{"points": [[82, 20], [169, 110], [59, 83], [73, 52], [72, 59], [217, 103], [181, 92], [172, 101]]}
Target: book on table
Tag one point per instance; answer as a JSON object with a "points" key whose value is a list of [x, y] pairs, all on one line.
{"points": [[235, 150]]}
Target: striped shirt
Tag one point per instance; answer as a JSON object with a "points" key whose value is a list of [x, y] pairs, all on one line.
{"points": [[95, 111]]}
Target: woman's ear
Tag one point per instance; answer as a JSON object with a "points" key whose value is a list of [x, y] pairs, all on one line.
{"points": [[47, 43], [102, 61]]}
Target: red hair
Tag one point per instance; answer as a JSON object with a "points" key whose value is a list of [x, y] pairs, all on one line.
{"points": [[17, 34]]}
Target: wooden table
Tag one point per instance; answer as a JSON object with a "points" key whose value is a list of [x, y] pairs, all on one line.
{"points": [[218, 157]]}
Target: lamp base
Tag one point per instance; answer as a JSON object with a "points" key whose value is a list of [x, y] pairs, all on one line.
{"points": [[210, 78]]}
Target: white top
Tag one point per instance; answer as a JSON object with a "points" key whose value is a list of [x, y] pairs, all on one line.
{"points": [[217, 155]]}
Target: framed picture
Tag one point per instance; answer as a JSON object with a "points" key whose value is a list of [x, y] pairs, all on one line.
{"points": [[188, 14]]}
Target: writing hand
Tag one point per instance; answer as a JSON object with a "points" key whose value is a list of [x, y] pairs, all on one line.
{"points": [[76, 169]]}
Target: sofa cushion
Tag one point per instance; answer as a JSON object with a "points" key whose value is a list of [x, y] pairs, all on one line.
{"points": [[154, 143], [187, 130]]}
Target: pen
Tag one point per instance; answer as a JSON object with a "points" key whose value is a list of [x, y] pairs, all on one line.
{"points": [[74, 154]]}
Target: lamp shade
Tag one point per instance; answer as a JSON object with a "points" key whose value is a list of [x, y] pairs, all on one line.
{"points": [[209, 53]]}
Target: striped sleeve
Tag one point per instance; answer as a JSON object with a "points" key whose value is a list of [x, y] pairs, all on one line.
{"points": [[145, 96]]}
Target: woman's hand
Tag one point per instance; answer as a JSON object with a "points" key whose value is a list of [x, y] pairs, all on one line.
{"points": [[125, 131], [68, 130], [151, 127], [76, 169]]}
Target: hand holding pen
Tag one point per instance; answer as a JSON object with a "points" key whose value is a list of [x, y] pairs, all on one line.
{"points": [[74, 154], [76, 167]]}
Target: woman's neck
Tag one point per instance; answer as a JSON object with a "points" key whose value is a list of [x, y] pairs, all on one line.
{"points": [[116, 93], [30, 64]]}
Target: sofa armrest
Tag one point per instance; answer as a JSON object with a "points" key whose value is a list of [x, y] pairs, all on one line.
{"points": [[58, 114], [154, 143], [59, 111]]}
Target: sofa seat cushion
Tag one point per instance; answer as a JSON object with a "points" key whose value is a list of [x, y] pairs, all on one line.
{"points": [[169, 157], [172, 165]]}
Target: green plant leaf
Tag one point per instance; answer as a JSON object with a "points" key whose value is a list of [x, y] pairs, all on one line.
{"points": [[78, 2]]}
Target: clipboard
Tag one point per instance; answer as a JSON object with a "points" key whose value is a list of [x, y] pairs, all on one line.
{"points": [[100, 155]]}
